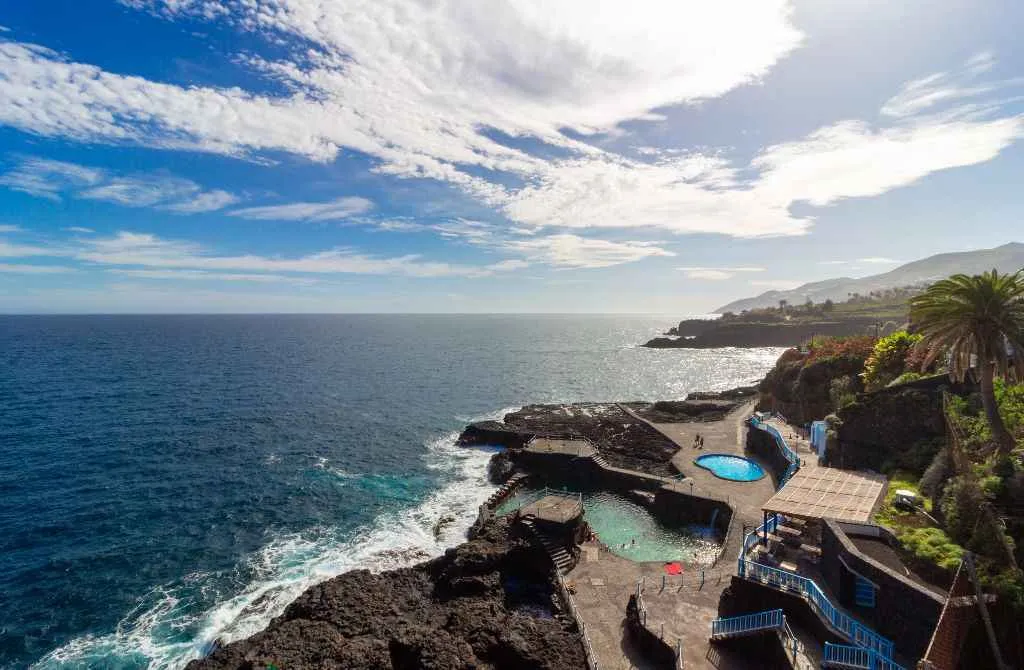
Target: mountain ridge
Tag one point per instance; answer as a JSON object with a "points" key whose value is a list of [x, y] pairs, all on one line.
{"points": [[1008, 257]]}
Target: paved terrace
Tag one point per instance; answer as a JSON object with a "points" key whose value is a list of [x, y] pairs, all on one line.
{"points": [[685, 606], [603, 581]]}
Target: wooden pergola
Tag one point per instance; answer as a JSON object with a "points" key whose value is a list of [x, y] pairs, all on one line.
{"points": [[827, 493]]}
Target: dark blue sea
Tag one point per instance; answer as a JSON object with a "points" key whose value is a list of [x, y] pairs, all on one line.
{"points": [[169, 480]]}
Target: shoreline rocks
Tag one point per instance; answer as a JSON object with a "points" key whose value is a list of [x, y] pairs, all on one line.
{"points": [[484, 604]]}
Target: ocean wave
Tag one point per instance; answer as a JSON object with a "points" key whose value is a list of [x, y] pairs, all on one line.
{"points": [[164, 632]]}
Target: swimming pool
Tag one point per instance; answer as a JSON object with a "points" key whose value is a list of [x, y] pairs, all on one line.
{"points": [[630, 531], [733, 468]]}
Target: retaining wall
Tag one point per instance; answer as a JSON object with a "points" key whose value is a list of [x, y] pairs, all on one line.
{"points": [[762, 444], [904, 611]]}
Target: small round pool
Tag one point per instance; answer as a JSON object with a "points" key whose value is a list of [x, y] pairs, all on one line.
{"points": [[733, 468]]}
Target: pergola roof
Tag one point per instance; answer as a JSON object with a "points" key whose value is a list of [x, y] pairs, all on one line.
{"points": [[829, 493]]}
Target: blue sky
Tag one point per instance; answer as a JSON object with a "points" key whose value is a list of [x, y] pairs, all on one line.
{"points": [[579, 156]]}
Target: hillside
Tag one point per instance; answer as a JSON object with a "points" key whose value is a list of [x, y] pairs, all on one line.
{"points": [[1006, 258]]}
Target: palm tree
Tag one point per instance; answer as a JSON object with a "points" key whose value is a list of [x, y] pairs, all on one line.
{"points": [[975, 317]]}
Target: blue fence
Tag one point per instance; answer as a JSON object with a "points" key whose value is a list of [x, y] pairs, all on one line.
{"points": [[787, 453], [842, 623], [856, 658], [747, 623], [819, 437]]}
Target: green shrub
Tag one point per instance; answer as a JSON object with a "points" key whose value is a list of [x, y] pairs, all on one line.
{"points": [[842, 392], [933, 545], [887, 359], [961, 506], [934, 478]]}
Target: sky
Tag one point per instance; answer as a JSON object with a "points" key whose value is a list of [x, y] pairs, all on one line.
{"points": [[494, 156]]}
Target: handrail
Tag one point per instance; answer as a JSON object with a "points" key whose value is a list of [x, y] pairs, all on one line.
{"points": [[570, 604], [845, 656], [842, 623], [747, 623], [791, 456]]}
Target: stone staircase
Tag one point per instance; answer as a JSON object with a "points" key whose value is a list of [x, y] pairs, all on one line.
{"points": [[506, 489], [597, 458], [562, 559]]}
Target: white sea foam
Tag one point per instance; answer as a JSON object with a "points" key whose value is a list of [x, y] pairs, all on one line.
{"points": [[160, 632]]}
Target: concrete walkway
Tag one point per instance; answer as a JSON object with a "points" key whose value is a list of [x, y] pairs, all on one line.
{"points": [[685, 607]]}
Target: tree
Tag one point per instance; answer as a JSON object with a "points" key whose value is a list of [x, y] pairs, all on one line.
{"points": [[887, 359], [975, 317]]}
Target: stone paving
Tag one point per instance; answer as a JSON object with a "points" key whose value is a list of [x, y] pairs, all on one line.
{"points": [[603, 582]]}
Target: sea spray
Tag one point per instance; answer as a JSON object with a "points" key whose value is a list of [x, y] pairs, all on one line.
{"points": [[161, 632]]}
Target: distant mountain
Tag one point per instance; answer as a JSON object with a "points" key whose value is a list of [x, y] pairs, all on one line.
{"points": [[1007, 258]]}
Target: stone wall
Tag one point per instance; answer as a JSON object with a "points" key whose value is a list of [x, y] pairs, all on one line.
{"points": [[898, 427], [675, 508], [904, 611], [762, 444], [655, 650]]}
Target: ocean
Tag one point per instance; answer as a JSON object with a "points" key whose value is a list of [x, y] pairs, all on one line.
{"points": [[166, 481]]}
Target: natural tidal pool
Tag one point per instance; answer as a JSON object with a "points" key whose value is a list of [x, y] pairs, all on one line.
{"points": [[632, 532]]}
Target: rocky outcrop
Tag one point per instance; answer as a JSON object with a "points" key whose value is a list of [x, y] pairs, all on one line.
{"points": [[801, 391], [494, 433], [484, 604], [762, 334], [621, 439], [895, 428]]}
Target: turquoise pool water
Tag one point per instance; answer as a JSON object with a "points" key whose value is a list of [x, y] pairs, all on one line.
{"points": [[734, 468], [631, 532]]}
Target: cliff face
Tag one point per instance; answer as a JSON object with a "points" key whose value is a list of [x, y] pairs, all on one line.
{"points": [[801, 390], [484, 604], [901, 428]]}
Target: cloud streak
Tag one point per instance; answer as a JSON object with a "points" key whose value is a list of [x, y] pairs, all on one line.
{"points": [[341, 208], [53, 180], [427, 96], [717, 274]]}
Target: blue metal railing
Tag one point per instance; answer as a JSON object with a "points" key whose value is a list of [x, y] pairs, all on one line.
{"points": [[752, 537], [791, 457], [842, 623], [747, 623], [856, 658]]}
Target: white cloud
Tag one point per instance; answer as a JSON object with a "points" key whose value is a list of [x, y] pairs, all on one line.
{"points": [[572, 251], [8, 250], [170, 193], [879, 260], [777, 284], [18, 268], [201, 275], [341, 208], [850, 159], [79, 229], [52, 179], [48, 178], [955, 90], [717, 274], [148, 251], [7, 228], [421, 93], [400, 226]]}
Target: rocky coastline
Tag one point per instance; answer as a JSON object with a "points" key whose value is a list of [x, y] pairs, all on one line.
{"points": [[490, 602], [486, 603], [710, 334]]}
